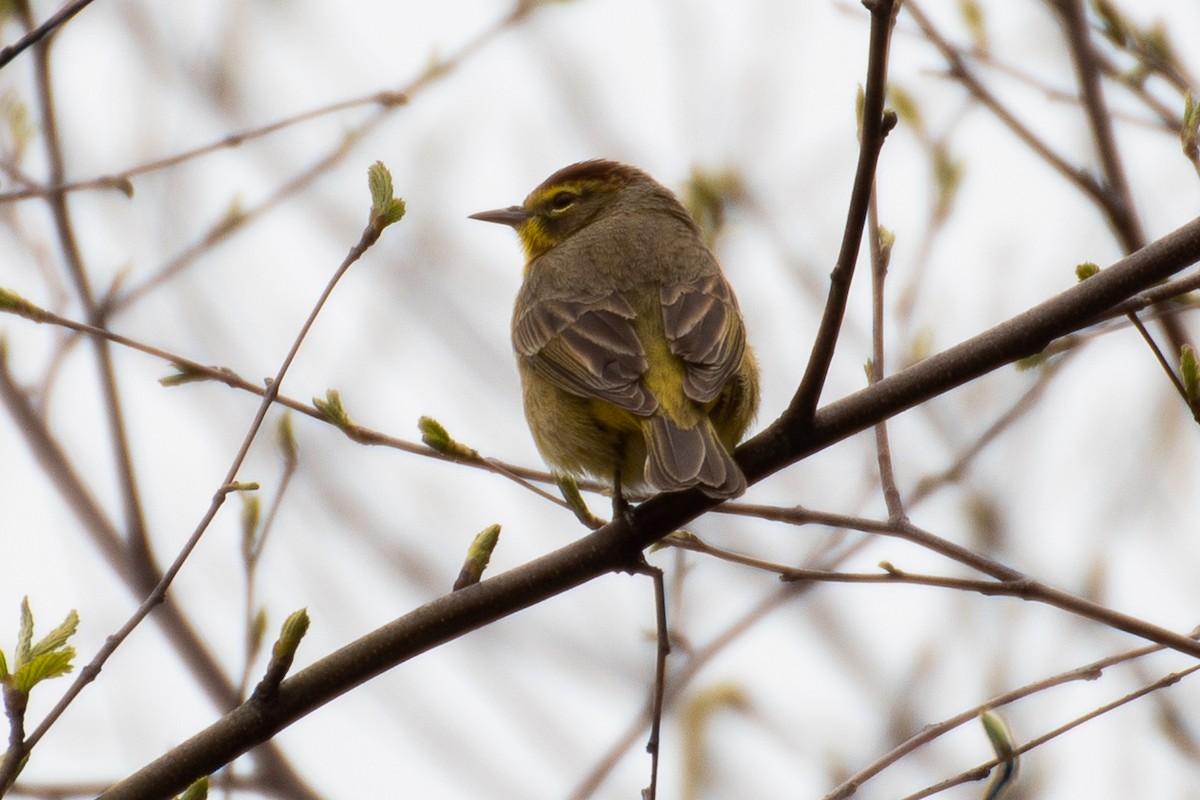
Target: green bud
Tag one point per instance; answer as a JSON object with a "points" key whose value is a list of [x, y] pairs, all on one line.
{"points": [[285, 435], [1189, 374], [905, 106], [385, 207], [13, 303], [1189, 134], [972, 16], [1002, 743], [197, 791], [948, 175], [251, 516], [479, 554], [332, 410], [569, 489], [436, 437], [292, 631], [184, 374]]}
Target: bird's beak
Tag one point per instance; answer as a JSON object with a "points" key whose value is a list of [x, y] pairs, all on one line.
{"points": [[511, 216]]}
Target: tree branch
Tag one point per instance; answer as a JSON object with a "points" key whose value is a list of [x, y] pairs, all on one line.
{"points": [[873, 127], [618, 544]]}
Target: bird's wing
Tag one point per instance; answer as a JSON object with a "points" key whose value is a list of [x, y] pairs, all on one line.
{"points": [[588, 347], [704, 328]]}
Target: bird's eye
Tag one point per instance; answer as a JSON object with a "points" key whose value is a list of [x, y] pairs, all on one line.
{"points": [[562, 201]]}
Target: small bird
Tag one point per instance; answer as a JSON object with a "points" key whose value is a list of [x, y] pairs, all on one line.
{"points": [[629, 342]]}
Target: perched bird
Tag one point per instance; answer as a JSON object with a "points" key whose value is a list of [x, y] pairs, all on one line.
{"points": [[629, 342]]}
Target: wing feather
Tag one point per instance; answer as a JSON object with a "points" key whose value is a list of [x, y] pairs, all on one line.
{"points": [[704, 328], [588, 347]]}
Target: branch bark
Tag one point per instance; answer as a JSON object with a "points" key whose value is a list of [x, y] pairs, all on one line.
{"points": [[616, 546]]}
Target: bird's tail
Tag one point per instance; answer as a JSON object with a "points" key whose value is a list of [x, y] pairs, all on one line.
{"points": [[680, 458]]}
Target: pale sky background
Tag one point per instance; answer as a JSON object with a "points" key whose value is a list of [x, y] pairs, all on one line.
{"points": [[1091, 490]]}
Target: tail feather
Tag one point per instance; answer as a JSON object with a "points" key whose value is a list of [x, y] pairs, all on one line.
{"points": [[680, 458]]}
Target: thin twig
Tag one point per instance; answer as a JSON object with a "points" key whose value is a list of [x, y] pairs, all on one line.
{"points": [[961, 72], [1016, 411], [104, 535], [194, 371], [254, 543], [1007, 581], [1024, 589], [1111, 194], [1115, 197], [122, 181], [1154, 296], [228, 484], [35, 35], [1168, 120], [135, 535], [928, 733], [872, 130], [138, 563], [681, 678], [658, 692], [1116, 201], [883, 448], [981, 771], [613, 546]]}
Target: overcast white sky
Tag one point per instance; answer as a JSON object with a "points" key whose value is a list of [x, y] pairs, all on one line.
{"points": [[1089, 489]]}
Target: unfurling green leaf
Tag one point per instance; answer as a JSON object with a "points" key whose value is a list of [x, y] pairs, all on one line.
{"points": [[46, 665], [331, 409], [35, 662], [57, 637], [24, 635], [386, 208]]}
